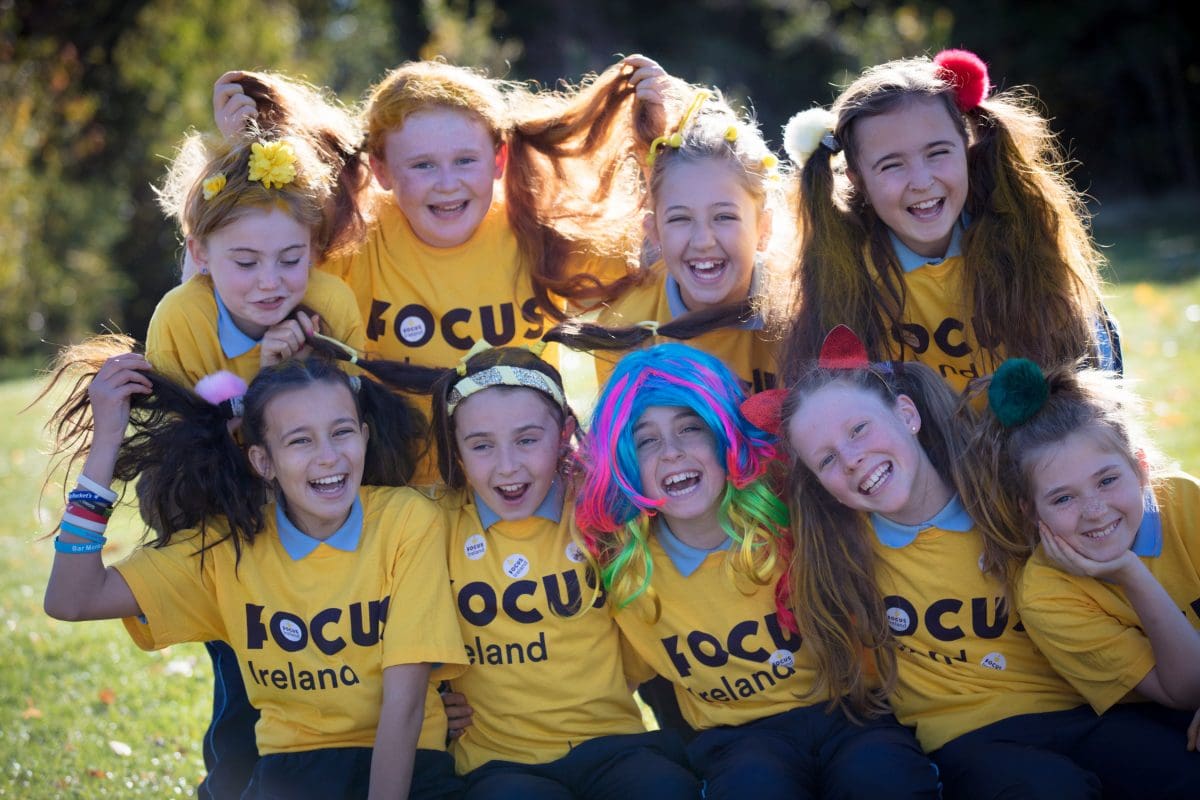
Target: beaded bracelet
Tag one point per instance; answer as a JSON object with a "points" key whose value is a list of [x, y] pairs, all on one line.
{"points": [[78, 547]]}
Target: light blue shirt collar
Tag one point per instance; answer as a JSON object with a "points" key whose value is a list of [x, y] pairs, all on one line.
{"points": [[551, 507], [687, 559], [952, 517], [234, 343], [1148, 542], [910, 260], [299, 545], [678, 308]]}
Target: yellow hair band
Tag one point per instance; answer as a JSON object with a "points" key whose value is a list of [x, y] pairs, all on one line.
{"points": [[675, 139]]}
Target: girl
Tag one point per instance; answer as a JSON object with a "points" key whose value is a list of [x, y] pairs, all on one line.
{"points": [[693, 548], [256, 213], [712, 192], [953, 236], [1120, 556], [440, 138], [552, 714], [329, 683], [890, 556]]}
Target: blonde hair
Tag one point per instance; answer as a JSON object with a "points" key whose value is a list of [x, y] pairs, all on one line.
{"points": [[202, 158]]}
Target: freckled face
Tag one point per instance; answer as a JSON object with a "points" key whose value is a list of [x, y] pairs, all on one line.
{"points": [[912, 169], [709, 229], [441, 165], [1090, 495], [259, 266], [509, 441], [866, 453]]}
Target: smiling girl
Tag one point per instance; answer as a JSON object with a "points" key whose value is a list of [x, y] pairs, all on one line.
{"points": [[897, 551], [254, 214], [1111, 595], [950, 234], [693, 548], [333, 596], [712, 193]]}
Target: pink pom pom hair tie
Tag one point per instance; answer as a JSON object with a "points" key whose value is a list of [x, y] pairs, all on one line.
{"points": [[224, 390], [967, 73]]}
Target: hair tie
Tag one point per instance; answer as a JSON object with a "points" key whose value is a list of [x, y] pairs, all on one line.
{"points": [[1018, 390], [345, 348], [648, 325], [808, 130], [967, 73], [224, 390], [675, 140], [731, 133], [355, 383]]}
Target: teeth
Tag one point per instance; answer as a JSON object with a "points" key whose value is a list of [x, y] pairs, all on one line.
{"points": [[926, 204], [1102, 532], [681, 477], [705, 266], [874, 479], [329, 480]]}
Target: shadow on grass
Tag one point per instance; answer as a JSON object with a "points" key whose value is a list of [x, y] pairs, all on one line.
{"points": [[1154, 240]]}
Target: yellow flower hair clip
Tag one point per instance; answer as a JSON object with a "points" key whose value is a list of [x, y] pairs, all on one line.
{"points": [[212, 186], [731, 133], [675, 140], [273, 163]]}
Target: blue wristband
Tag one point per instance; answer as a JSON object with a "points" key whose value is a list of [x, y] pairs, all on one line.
{"points": [[77, 547], [82, 533]]}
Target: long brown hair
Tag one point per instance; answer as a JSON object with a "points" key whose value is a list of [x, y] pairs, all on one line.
{"points": [[571, 182], [1031, 278], [836, 598]]}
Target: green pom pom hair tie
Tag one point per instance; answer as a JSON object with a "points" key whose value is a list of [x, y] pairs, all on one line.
{"points": [[1018, 391]]}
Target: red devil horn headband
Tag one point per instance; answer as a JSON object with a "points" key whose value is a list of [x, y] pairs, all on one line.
{"points": [[967, 73]]}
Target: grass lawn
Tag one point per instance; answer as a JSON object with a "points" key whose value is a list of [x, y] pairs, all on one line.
{"points": [[84, 713]]}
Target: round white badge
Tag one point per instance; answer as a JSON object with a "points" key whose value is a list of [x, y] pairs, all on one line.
{"points": [[290, 630], [575, 553], [897, 619], [412, 329], [475, 547], [994, 661], [783, 658], [516, 566]]}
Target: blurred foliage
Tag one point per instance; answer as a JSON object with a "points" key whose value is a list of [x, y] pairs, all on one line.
{"points": [[95, 96]]}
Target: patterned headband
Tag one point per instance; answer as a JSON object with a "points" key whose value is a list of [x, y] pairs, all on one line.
{"points": [[503, 376]]}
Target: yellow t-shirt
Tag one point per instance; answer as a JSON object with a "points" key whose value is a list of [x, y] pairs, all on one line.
{"points": [[721, 644], [749, 352], [544, 676], [937, 331], [1086, 627], [310, 633], [963, 663], [182, 341]]}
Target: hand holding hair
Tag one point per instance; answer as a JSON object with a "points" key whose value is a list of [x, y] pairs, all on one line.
{"points": [[109, 394], [287, 339], [231, 106]]}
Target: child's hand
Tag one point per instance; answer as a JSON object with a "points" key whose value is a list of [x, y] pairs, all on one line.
{"points": [[287, 339], [1068, 559], [458, 713], [1193, 742], [110, 391], [231, 106], [649, 79]]}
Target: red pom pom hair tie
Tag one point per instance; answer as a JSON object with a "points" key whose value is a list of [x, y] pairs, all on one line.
{"points": [[967, 73]]}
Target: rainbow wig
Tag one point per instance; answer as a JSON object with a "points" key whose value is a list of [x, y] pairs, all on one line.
{"points": [[612, 509]]}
